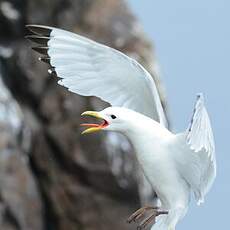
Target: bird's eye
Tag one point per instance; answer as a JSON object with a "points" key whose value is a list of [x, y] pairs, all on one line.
{"points": [[113, 116]]}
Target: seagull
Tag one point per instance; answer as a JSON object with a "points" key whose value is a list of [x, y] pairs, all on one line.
{"points": [[176, 165]]}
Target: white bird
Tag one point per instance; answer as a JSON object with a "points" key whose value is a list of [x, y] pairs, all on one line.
{"points": [[174, 164]]}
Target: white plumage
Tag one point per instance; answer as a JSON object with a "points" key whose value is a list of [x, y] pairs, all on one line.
{"points": [[92, 69], [174, 164]]}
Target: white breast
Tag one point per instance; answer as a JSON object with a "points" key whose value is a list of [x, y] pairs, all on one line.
{"points": [[151, 143]]}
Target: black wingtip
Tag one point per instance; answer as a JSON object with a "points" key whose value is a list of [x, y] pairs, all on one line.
{"points": [[52, 71], [39, 29], [41, 50], [45, 59], [38, 39]]}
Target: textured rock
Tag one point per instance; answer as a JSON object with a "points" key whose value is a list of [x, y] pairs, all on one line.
{"points": [[20, 201], [55, 177]]}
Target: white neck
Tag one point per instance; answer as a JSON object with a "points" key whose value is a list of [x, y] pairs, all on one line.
{"points": [[140, 127]]}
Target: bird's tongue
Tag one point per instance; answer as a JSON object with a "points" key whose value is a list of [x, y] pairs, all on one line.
{"points": [[94, 125], [90, 125]]}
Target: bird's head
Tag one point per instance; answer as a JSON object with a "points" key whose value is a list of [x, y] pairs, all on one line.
{"points": [[111, 118]]}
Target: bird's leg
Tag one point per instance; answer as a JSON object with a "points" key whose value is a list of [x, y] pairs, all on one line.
{"points": [[136, 216], [151, 219], [139, 213]]}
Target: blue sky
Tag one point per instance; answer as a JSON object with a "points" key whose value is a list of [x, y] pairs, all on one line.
{"points": [[192, 47]]}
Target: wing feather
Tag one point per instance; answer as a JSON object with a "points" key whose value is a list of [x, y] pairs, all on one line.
{"points": [[197, 161], [92, 69]]}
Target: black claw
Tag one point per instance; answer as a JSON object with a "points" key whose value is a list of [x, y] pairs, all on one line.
{"points": [[39, 30], [38, 39], [41, 50]]}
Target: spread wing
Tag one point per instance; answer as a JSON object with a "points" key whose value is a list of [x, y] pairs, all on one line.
{"points": [[197, 161], [92, 69]]}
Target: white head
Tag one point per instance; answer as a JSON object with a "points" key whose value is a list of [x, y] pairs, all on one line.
{"points": [[113, 118]]}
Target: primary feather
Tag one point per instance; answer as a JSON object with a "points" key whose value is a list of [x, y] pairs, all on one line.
{"points": [[92, 69], [197, 161]]}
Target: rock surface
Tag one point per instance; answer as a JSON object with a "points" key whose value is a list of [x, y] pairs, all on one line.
{"points": [[51, 177]]}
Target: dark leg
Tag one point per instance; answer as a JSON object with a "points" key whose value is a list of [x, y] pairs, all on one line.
{"points": [[136, 216], [139, 213]]}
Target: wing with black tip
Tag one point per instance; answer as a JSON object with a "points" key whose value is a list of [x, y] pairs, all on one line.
{"points": [[92, 69]]}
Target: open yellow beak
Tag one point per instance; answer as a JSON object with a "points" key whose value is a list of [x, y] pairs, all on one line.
{"points": [[92, 126]]}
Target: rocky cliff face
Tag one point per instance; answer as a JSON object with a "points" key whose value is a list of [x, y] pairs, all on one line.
{"points": [[50, 176]]}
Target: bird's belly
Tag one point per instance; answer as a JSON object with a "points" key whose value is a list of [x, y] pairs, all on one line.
{"points": [[156, 169], [162, 174]]}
